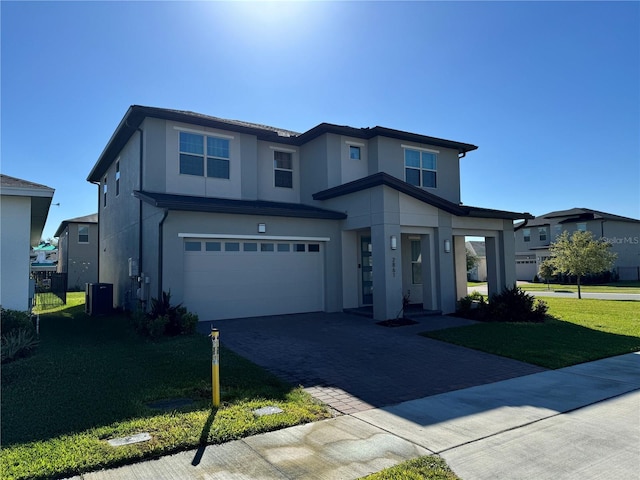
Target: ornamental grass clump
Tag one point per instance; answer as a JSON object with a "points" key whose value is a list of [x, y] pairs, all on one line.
{"points": [[19, 337], [510, 305]]}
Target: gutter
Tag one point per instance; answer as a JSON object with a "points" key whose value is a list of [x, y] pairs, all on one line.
{"points": [[524, 224], [99, 208], [160, 250]]}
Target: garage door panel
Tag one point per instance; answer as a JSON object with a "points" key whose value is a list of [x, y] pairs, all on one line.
{"points": [[239, 284]]}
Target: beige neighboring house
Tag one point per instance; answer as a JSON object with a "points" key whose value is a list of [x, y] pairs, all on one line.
{"points": [[24, 206], [479, 272], [533, 238], [78, 250]]}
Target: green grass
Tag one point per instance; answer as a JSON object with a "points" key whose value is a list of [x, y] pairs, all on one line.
{"points": [[91, 379], [619, 287], [576, 331], [430, 467]]}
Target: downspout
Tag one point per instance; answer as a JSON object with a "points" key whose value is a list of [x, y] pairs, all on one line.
{"points": [[140, 185], [160, 250]]}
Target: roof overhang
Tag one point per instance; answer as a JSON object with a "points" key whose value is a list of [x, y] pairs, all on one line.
{"points": [[236, 207], [382, 178]]}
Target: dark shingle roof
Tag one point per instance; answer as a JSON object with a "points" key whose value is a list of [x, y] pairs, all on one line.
{"points": [[93, 218], [7, 181], [241, 207], [417, 193], [136, 115], [575, 215]]}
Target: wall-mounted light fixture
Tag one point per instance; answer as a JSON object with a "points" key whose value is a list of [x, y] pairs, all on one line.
{"points": [[262, 227], [447, 246], [394, 242]]}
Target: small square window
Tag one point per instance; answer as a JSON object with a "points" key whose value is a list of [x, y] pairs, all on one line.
{"points": [[250, 247], [581, 227], [314, 247], [213, 246], [192, 246], [266, 247], [232, 247], [354, 152], [299, 247], [284, 247]]}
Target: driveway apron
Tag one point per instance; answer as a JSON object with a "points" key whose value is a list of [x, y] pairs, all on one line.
{"points": [[353, 364]]}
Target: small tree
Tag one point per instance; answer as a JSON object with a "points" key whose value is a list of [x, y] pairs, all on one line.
{"points": [[546, 271], [472, 260], [579, 255]]}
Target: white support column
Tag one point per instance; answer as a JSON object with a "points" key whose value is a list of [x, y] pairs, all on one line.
{"points": [[494, 284], [387, 271], [460, 251], [429, 300]]}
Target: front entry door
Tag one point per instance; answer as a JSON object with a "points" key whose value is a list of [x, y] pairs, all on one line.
{"points": [[366, 270]]}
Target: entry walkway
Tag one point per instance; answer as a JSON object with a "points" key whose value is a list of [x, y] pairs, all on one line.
{"points": [[579, 423]]}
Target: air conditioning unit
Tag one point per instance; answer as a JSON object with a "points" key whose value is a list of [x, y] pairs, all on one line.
{"points": [[98, 299]]}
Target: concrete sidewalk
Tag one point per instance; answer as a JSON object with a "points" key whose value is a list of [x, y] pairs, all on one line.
{"points": [[579, 422]]}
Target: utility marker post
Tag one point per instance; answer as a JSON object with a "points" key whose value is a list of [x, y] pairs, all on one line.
{"points": [[215, 367]]}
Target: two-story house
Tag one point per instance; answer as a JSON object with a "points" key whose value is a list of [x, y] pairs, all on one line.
{"points": [[238, 219], [533, 238], [78, 250]]}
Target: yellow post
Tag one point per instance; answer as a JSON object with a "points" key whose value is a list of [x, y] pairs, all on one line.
{"points": [[215, 367]]}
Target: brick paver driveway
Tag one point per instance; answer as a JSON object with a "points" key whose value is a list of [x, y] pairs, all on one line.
{"points": [[353, 364]]}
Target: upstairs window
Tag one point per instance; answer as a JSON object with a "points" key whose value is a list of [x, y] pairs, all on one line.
{"points": [[557, 230], [420, 168], [542, 234], [117, 177], [283, 169], [526, 233], [104, 192], [192, 155], [581, 227], [354, 152], [83, 233]]}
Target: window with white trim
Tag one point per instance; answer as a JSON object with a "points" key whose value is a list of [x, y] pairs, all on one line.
{"points": [[526, 233], [117, 177], [203, 155], [416, 262], [420, 168], [354, 152], [83, 233], [283, 169], [542, 234]]}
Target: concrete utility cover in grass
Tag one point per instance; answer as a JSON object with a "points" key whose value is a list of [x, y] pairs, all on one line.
{"points": [[137, 438], [267, 411]]}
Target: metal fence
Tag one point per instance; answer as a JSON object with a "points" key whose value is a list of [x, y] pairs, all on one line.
{"points": [[51, 289]]}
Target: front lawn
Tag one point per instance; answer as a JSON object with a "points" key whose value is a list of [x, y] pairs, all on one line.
{"points": [[576, 331], [618, 287], [92, 379]]}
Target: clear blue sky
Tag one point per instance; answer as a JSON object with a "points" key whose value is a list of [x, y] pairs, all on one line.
{"points": [[549, 91]]}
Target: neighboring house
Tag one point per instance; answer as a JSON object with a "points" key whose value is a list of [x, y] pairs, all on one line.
{"points": [[237, 219], [533, 238], [479, 272], [78, 250], [24, 208]]}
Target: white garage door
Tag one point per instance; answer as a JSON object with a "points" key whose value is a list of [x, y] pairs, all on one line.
{"points": [[230, 278]]}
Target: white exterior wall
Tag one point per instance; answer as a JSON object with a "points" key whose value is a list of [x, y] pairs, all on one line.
{"points": [[15, 228]]}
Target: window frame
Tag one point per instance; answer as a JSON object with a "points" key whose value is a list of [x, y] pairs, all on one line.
{"points": [[421, 168], [277, 168], [355, 148], [542, 234], [117, 177], [104, 192], [207, 158], [526, 234], [83, 226]]}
